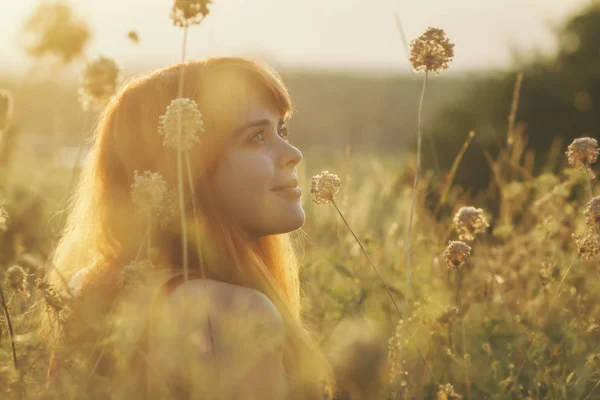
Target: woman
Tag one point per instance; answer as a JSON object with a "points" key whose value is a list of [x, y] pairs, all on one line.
{"points": [[237, 334]]}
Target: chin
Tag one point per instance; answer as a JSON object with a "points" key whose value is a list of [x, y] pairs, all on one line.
{"points": [[291, 220]]}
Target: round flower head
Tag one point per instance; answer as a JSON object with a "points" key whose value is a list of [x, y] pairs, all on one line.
{"points": [[6, 101], [187, 12], [592, 212], [147, 192], [99, 83], [588, 245], [324, 187], [446, 392], [432, 51], [583, 152], [133, 273], [468, 222], [191, 124], [16, 278], [456, 254]]}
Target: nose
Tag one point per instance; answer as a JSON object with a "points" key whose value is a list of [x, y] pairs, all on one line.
{"points": [[291, 155]]}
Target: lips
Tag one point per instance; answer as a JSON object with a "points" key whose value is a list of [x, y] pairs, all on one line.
{"points": [[288, 185]]}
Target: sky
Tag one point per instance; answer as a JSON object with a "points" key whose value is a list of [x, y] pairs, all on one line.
{"points": [[338, 34]]}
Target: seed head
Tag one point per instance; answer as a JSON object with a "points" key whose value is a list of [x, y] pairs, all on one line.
{"points": [[147, 192], [55, 298], [456, 254], [446, 392], [187, 12], [191, 124], [99, 83], [583, 152], [55, 30], [324, 187], [588, 245], [592, 212], [6, 102], [468, 222], [432, 51], [16, 278], [134, 273]]}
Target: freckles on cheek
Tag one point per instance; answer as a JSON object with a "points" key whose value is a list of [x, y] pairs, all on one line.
{"points": [[250, 173]]}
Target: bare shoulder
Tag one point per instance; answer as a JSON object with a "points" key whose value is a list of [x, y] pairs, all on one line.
{"points": [[225, 299]]}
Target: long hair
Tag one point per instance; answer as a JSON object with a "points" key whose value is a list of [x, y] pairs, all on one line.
{"points": [[101, 230]]}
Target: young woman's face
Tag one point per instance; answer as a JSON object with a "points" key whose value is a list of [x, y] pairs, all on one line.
{"points": [[256, 181]]}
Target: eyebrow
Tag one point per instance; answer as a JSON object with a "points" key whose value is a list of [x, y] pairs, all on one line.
{"points": [[256, 124]]}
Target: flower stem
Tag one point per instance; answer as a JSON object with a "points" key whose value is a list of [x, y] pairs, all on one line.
{"points": [[184, 243], [414, 194], [384, 284], [589, 181], [565, 276], [462, 323], [10, 328]]}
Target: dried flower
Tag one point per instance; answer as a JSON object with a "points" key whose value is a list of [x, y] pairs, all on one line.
{"points": [[468, 222], [16, 278], [446, 392], [324, 186], [6, 102], [133, 273], [588, 245], [592, 212], [186, 12], [55, 30], [432, 51], [55, 298], [147, 192], [583, 152], [456, 254], [184, 137], [168, 211], [99, 83]]}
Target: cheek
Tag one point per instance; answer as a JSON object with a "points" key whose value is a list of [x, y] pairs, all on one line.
{"points": [[242, 179]]}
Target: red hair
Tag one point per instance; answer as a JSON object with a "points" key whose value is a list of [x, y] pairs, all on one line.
{"points": [[101, 232]]}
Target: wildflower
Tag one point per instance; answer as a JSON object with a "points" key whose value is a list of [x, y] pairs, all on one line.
{"points": [[469, 221], [592, 212], [168, 210], [184, 137], [99, 83], [456, 254], [432, 51], [147, 192], [16, 278], [186, 12], [55, 30], [6, 101], [588, 245], [133, 273], [325, 186], [446, 392], [55, 298], [3, 220], [582, 152]]}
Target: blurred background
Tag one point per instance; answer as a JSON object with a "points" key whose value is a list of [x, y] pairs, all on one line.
{"points": [[345, 62]]}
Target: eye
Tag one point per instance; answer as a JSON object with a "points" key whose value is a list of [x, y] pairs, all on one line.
{"points": [[258, 137], [284, 132]]}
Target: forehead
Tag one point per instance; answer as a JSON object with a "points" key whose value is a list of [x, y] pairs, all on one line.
{"points": [[231, 103]]}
